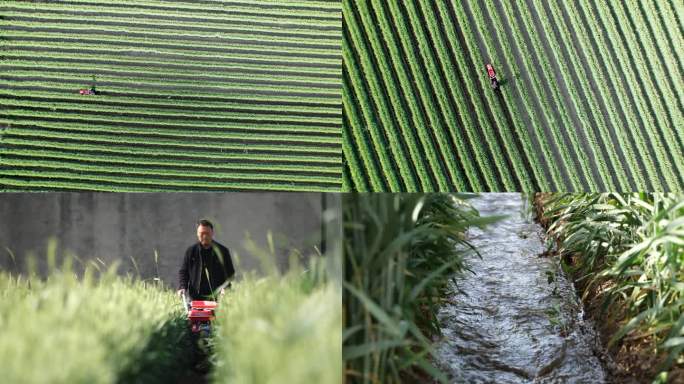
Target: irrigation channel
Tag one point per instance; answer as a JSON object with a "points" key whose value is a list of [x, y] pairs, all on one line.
{"points": [[516, 318]]}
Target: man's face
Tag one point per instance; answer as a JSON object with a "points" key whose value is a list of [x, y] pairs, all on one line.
{"points": [[205, 235]]}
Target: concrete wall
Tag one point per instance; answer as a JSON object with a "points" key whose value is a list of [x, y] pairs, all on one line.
{"points": [[118, 226]]}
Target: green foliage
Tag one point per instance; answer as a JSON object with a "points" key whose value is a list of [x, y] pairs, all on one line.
{"points": [[632, 247], [93, 330], [249, 89], [582, 105], [279, 330], [399, 252], [83, 323]]}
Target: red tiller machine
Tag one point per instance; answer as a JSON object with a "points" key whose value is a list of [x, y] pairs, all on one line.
{"points": [[492, 76], [200, 314], [89, 91]]}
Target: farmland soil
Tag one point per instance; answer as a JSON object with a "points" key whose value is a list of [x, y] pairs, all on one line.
{"points": [[516, 318]]}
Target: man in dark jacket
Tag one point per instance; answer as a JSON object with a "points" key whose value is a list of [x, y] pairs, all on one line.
{"points": [[206, 266]]}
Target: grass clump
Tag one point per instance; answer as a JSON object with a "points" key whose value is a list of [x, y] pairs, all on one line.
{"points": [[400, 250], [104, 329], [280, 329], [629, 250]]}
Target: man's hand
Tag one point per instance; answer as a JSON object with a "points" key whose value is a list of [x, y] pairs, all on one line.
{"points": [[180, 292]]}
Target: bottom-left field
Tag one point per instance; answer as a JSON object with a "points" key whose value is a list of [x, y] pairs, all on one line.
{"points": [[170, 288]]}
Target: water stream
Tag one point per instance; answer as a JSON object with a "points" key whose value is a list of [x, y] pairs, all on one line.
{"points": [[505, 323]]}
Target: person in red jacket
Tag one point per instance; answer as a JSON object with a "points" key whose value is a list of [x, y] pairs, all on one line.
{"points": [[207, 266]]}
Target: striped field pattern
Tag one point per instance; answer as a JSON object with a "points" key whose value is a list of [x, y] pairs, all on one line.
{"points": [[193, 95], [591, 95]]}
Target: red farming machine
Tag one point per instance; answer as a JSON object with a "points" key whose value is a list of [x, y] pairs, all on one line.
{"points": [[200, 315], [88, 91], [492, 76]]}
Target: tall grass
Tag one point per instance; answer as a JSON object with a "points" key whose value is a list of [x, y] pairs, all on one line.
{"points": [[280, 329], [95, 326], [630, 249], [400, 251], [89, 330]]}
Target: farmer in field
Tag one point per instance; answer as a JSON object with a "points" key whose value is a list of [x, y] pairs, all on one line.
{"points": [[206, 266]]}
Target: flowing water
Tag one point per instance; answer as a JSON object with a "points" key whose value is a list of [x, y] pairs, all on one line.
{"points": [[505, 323]]}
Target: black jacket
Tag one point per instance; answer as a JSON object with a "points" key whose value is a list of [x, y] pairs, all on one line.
{"points": [[220, 268]]}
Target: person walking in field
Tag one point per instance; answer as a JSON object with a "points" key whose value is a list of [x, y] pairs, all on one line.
{"points": [[206, 267]]}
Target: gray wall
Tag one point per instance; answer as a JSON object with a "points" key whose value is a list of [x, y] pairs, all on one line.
{"points": [[117, 226]]}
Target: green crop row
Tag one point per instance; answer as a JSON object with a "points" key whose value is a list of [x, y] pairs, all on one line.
{"points": [[651, 93], [97, 50], [581, 160], [83, 323], [633, 159], [393, 94], [205, 107], [222, 133], [671, 70], [207, 17], [453, 130], [192, 86], [258, 124], [366, 120], [461, 91], [196, 144], [74, 329], [571, 128], [451, 173], [116, 60], [542, 137], [587, 123], [646, 119], [356, 131], [124, 181], [244, 154], [239, 75], [171, 43], [484, 85], [18, 26], [225, 165], [655, 95], [643, 100], [509, 99], [47, 18], [270, 103], [216, 175], [306, 8], [170, 94], [420, 121], [353, 179], [294, 332], [625, 102]]}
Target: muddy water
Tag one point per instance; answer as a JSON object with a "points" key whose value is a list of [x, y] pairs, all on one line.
{"points": [[505, 323]]}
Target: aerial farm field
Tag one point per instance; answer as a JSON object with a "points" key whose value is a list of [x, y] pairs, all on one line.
{"points": [[590, 95], [149, 95]]}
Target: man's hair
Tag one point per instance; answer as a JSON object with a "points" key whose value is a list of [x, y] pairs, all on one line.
{"points": [[206, 223]]}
